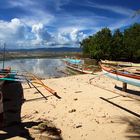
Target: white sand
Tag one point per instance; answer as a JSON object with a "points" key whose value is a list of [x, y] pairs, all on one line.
{"points": [[80, 113], [92, 118]]}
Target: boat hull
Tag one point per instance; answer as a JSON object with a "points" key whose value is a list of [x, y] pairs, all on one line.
{"points": [[79, 70], [125, 77], [120, 63]]}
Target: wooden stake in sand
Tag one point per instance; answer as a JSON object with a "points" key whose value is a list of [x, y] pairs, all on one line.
{"points": [[124, 87]]}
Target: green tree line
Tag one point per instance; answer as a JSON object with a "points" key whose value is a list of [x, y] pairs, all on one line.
{"points": [[113, 46]]}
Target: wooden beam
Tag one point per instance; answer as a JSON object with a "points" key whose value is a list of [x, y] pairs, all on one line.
{"points": [[124, 87], [125, 109]]}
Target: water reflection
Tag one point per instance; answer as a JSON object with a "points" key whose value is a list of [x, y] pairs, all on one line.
{"points": [[44, 68]]}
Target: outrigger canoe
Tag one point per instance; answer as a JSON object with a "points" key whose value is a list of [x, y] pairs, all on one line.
{"points": [[120, 63], [4, 73], [121, 75], [78, 69]]}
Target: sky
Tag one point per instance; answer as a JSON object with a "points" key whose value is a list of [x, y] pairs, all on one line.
{"points": [[49, 23]]}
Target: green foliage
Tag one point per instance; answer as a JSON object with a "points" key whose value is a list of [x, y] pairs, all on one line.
{"points": [[105, 45], [132, 40], [103, 42], [117, 46]]}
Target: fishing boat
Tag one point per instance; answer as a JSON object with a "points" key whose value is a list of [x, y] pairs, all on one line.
{"points": [[4, 73], [79, 68], [8, 75], [73, 61], [121, 75], [120, 63], [78, 65]]}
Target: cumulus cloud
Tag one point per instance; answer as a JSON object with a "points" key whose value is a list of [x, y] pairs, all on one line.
{"points": [[69, 36], [76, 35], [41, 33], [12, 31], [17, 33]]}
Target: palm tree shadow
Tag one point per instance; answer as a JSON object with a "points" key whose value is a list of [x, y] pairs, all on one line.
{"points": [[19, 130], [133, 127], [22, 131]]}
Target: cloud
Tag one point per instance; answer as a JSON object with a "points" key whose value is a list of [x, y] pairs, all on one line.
{"points": [[116, 9], [41, 33], [67, 36], [70, 36], [33, 11], [124, 22], [20, 3], [12, 31], [59, 4], [76, 35], [17, 33], [49, 23]]}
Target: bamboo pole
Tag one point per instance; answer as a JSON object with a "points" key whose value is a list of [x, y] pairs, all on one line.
{"points": [[36, 89], [38, 81]]}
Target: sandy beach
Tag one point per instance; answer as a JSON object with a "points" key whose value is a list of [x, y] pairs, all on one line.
{"points": [[81, 113]]}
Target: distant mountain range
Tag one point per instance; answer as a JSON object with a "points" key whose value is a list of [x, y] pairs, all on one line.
{"points": [[62, 49]]}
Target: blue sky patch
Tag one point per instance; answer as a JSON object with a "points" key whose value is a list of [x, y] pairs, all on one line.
{"points": [[48, 22]]}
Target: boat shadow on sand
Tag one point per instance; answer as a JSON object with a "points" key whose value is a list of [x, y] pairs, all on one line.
{"points": [[129, 91]]}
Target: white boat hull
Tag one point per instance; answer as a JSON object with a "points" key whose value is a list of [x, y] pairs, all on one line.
{"points": [[131, 81]]}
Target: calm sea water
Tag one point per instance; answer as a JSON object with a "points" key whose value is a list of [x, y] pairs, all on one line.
{"points": [[44, 68]]}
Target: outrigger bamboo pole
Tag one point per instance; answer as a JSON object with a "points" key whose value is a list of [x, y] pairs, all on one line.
{"points": [[38, 81], [46, 87], [36, 88]]}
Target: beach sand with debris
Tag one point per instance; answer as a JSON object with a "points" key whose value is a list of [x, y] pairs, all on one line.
{"points": [[82, 113]]}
